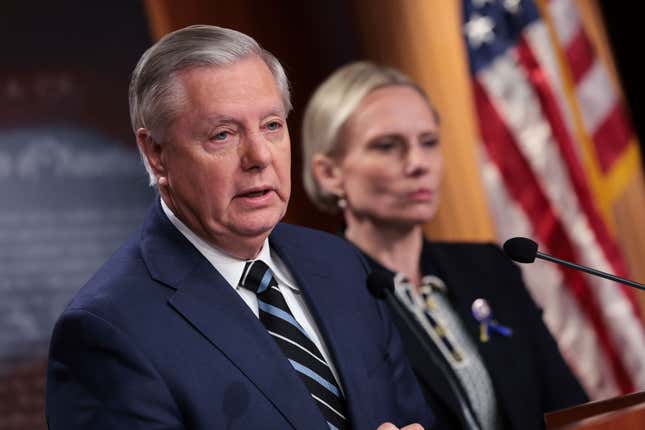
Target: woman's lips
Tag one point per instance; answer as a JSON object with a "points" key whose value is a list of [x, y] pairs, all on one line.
{"points": [[421, 195]]}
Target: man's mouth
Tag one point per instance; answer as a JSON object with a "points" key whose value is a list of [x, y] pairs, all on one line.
{"points": [[255, 193]]}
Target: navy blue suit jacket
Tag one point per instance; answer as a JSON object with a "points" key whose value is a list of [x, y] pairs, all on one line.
{"points": [[158, 340]]}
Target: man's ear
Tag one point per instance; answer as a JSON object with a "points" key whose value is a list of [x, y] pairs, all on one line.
{"points": [[328, 175], [153, 151]]}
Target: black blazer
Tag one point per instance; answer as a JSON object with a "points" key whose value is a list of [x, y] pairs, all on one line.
{"points": [[528, 373]]}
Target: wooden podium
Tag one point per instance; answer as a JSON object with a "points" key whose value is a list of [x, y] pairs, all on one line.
{"points": [[625, 412]]}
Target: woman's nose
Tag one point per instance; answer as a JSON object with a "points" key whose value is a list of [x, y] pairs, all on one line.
{"points": [[415, 161]]}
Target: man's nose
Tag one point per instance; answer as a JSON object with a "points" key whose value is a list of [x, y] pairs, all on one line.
{"points": [[256, 152]]}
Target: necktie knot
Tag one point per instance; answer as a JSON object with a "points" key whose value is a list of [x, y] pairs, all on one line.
{"points": [[257, 277]]}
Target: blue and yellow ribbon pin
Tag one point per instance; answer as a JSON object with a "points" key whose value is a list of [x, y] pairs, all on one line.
{"points": [[482, 313]]}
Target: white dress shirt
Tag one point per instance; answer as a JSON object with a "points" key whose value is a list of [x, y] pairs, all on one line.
{"points": [[231, 270]]}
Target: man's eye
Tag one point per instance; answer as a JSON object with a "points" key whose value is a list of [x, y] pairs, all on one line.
{"points": [[222, 135], [273, 126]]}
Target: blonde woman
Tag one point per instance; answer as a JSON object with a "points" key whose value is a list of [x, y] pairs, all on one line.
{"points": [[372, 151]]}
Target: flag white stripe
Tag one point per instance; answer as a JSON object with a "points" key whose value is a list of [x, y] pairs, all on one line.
{"points": [[562, 314], [595, 96], [596, 100], [537, 37], [565, 19], [624, 326], [518, 104]]}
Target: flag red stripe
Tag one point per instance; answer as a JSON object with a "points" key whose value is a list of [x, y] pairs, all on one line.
{"points": [[524, 188], [612, 137], [552, 112], [580, 55]]}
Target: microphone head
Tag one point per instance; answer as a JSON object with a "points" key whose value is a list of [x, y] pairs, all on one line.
{"points": [[379, 282], [521, 249]]}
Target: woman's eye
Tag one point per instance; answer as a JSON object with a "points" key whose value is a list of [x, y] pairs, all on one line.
{"points": [[384, 145], [430, 142]]}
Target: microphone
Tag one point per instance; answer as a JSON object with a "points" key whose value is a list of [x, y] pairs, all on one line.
{"points": [[524, 250], [381, 285]]}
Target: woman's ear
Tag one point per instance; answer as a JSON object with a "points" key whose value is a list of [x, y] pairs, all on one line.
{"points": [[153, 152], [328, 174]]}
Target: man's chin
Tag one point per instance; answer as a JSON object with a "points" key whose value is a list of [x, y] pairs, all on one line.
{"points": [[257, 228], [256, 232], [258, 224]]}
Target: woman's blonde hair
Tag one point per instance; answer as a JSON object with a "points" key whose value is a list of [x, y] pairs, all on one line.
{"points": [[331, 105]]}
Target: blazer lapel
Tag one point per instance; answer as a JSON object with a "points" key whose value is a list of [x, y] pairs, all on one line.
{"points": [[213, 308], [432, 377], [498, 353]]}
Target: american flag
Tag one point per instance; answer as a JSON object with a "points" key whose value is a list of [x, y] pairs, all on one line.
{"points": [[556, 144]]}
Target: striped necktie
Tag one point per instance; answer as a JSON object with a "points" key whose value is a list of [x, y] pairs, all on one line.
{"points": [[301, 352]]}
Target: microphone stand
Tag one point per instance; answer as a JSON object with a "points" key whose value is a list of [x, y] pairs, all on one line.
{"points": [[422, 339], [590, 270]]}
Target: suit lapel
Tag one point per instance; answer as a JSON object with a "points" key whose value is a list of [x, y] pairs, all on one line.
{"points": [[334, 316], [215, 309]]}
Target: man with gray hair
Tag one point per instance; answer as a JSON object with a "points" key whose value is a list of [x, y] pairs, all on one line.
{"points": [[215, 314]]}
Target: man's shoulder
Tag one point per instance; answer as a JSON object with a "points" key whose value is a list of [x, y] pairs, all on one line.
{"points": [[117, 280], [302, 245], [308, 238]]}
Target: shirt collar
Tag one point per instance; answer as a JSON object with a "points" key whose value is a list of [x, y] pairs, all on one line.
{"points": [[229, 267]]}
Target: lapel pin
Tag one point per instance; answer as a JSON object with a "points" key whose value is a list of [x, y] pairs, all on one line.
{"points": [[482, 313], [429, 286]]}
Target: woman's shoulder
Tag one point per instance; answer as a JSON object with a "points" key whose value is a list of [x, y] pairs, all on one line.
{"points": [[485, 261], [455, 249]]}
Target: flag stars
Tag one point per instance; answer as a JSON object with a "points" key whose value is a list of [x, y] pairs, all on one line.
{"points": [[512, 6], [479, 30], [482, 3]]}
